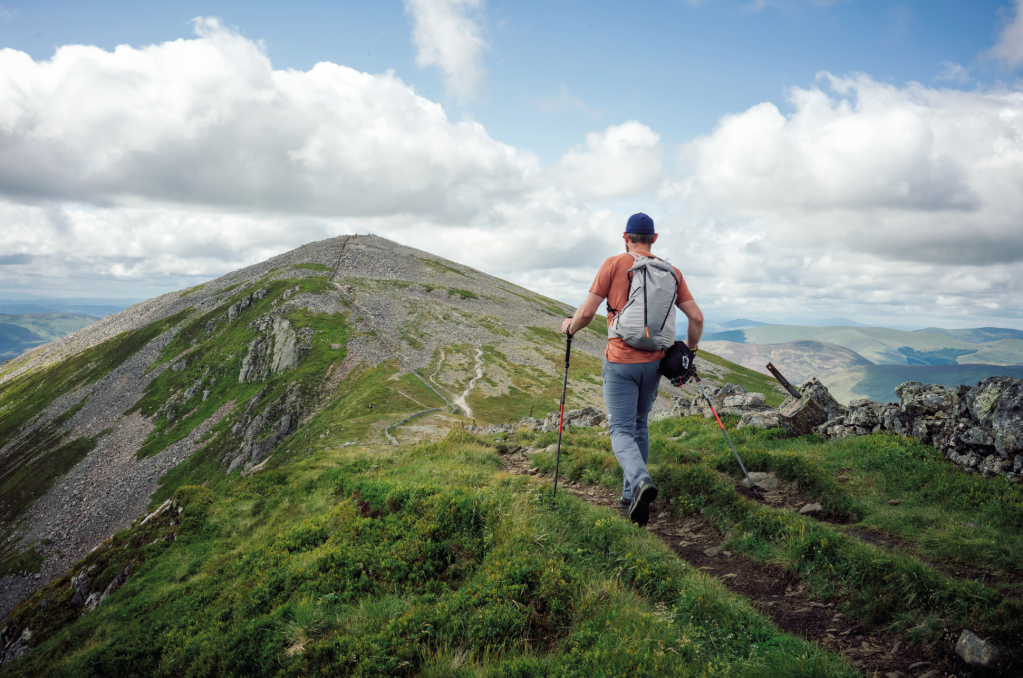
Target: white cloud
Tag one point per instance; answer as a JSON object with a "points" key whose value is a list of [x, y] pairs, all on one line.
{"points": [[7, 14], [914, 173], [209, 121], [449, 37], [864, 186], [1009, 47], [622, 160], [954, 73], [163, 166], [195, 157]]}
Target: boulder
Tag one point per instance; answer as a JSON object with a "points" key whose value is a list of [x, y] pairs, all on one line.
{"points": [[802, 416], [761, 419], [811, 509], [929, 429], [763, 480], [815, 407], [745, 400], [924, 400], [977, 652], [864, 414]]}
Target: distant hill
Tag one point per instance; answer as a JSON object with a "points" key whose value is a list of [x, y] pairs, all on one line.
{"points": [[883, 346], [21, 332], [978, 335], [98, 308], [740, 323], [798, 361], [878, 382]]}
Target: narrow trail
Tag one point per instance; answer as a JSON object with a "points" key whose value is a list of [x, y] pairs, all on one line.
{"points": [[460, 400], [772, 590]]}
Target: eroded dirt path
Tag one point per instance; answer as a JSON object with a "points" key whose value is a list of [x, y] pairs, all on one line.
{"points": [[460, 400], [774, 591]]}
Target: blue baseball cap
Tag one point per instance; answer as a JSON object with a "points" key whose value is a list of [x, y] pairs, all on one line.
{"points": [[641, 224]]}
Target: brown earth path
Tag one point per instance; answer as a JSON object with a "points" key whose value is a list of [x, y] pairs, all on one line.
{"points": [[774, 591]]}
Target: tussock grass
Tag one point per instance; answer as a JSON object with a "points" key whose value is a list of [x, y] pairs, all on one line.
{"points": [[888, 483], [418, 560]]}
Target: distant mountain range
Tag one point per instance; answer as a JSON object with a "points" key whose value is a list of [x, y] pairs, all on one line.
{"points": [[884, 346], [878, 382], [869, 362], [21, 332], [99, 308], [798, 360]]}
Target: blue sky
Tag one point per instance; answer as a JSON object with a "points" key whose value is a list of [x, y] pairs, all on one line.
{"points": [[786, 192]]}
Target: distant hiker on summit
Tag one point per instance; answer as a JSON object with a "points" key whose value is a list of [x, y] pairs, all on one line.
{"points": [[642, 292]]}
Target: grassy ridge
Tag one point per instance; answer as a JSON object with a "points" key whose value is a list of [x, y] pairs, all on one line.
{"points": [[422, 560], [880, 482]]}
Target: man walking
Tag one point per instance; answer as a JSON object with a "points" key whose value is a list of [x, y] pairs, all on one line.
{"points": [[630, 374]]}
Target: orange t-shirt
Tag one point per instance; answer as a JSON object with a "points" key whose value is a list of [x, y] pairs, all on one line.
{"points": [[612, 283]]}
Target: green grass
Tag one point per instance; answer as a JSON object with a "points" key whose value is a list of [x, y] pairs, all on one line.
{"points": [[895, 485], [422, 560], [462, 294], [441, 267]]}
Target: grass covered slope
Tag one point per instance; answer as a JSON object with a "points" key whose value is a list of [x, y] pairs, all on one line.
{"points": [[907, 545], [420, 560]]}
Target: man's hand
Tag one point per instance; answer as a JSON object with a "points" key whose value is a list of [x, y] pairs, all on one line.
{"points": [[583, 315]]}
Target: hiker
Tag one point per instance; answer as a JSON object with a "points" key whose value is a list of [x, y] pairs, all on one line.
{"points": [[630, 373]]}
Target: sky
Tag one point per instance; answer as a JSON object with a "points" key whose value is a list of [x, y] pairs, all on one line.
{"points": [[815, 158]]}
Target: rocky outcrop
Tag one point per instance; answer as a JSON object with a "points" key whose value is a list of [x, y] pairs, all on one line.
{"points": [[262, 432], [15, 647], [729, 399], [587, 417], [815, 407], [980, 429]]}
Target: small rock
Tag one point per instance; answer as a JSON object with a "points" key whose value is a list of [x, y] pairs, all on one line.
{"points": [[970, 523], [811, 509], [713, 552], [977, 652], [919, 665], [931, 674], [802, 610], [335, 347], [729, 576], [765, 481]]}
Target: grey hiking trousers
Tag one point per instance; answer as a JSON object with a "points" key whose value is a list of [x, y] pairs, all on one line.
{"points": [[629, 392]]}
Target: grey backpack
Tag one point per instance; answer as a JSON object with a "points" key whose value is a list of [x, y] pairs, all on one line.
{"points": [[647, 321]]}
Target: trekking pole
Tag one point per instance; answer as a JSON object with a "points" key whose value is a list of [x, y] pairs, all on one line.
{"points": [[752, 486], [561, 418]]}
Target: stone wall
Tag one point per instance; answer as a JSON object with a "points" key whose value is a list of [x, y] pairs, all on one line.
{"points": [[978, 428]]}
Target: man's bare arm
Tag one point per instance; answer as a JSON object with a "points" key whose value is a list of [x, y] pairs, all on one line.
{"points": [[583, 315], [695, 330]]}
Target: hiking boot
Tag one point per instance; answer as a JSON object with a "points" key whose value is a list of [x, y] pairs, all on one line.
{"points": [[624, 504], [639, 511]]}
